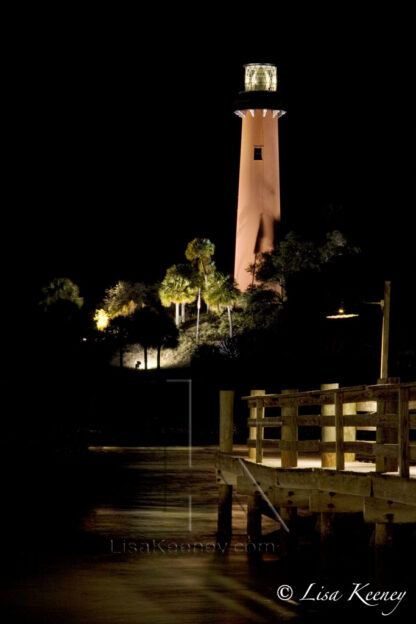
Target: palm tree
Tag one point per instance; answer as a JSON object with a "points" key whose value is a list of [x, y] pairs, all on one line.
{"points": [[199, 252], [119, 328], [221, 292], [153, 328], [178, 287], [165, 335]]}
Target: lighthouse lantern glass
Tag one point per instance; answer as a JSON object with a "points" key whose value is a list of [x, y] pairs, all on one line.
{"points": [[260, 77]]}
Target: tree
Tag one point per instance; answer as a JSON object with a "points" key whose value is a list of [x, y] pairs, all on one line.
{"points": [[152, 327], [295, 255], [199, 251], [261, 307], [61, 319], [120, 328], [178, 287], [252, 268], [165, 335], [124, 298], [221, 292], [119, 303], [102, 319], [58, 290]]}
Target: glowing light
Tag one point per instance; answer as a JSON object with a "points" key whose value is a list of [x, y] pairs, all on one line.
{"points": [[341, 315], [101, 319], [260, 77]]}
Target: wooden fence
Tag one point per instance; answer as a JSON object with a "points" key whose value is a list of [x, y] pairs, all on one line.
{"points": [[393, 418]]}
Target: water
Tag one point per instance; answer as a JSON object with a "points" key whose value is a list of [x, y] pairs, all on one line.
{"points": [[138, 545]]}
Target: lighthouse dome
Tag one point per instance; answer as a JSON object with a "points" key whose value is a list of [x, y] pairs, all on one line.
{"points": [[260, 77]]}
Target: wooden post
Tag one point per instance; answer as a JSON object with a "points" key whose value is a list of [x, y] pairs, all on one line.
{"points": [[329, 460], [385, 435], [383, 532], [288, 541], [383, 547], [254, 517], [339, 432], [403, 433], [225, 491], [253, 430], [259, 432], [349, 409], [289, 433], [327, 526], [327, 530], [385, 333], [226, 420], [225, 503], [328, 433], [383, 535]]}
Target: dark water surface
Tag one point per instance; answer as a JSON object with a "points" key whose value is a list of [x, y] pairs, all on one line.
{"points": [[138, 545]]}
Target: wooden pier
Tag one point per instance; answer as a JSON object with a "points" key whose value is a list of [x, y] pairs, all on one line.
{"points": [[334, 474]]}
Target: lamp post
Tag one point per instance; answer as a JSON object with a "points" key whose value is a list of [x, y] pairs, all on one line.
{"points": [[385, 306], [383, 435], [385, 331]]}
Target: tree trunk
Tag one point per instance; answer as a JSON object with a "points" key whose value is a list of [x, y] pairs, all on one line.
{"points": [[159, 347], [204, 271], [198, 308], [183, 313], [230, 321], [145, 357], [177, 314]]}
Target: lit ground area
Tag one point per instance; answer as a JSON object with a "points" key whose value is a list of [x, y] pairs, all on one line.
{"points": [[172, 358]]}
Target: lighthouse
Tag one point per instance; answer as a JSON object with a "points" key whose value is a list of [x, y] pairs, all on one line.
{"points": [[258, 211]]}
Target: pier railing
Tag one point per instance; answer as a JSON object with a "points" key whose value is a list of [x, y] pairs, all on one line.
{"points": [[387, 407]]}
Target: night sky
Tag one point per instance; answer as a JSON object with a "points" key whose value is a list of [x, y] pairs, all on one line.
{"points": [[127, 146]]}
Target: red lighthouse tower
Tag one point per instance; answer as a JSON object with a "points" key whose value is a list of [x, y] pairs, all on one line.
{"points": [[258, 209]]}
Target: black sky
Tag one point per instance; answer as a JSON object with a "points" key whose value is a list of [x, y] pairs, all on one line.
{"points": [[127, 148]]}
